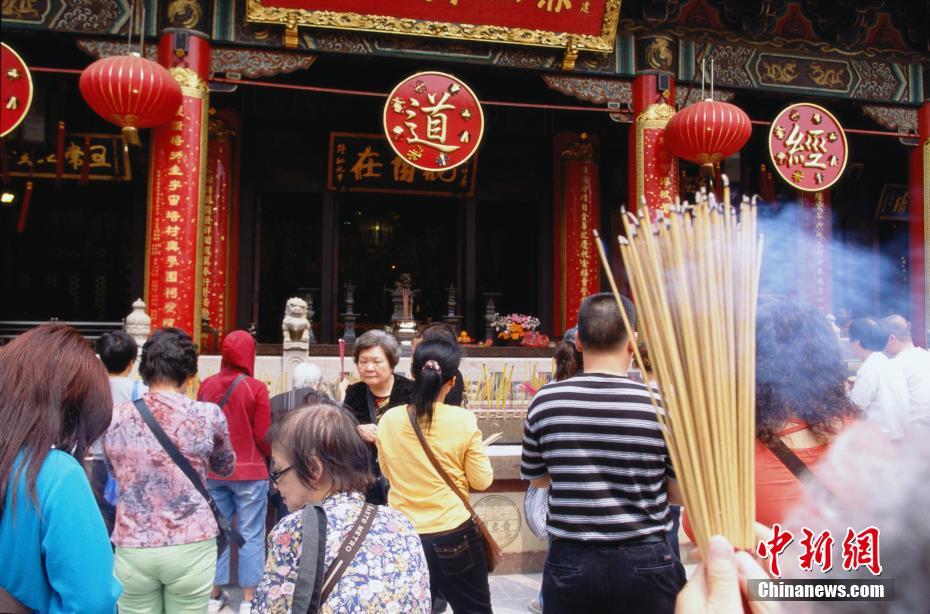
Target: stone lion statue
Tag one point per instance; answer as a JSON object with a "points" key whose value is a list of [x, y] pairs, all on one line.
{"points": [[296, 326]]}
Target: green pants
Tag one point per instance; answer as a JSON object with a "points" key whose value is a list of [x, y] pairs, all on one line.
{"points": [[172, 579]]}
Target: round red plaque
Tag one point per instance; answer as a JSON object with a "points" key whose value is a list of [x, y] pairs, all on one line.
{"points": [[433, 121], [17, 90], [808, 147]]}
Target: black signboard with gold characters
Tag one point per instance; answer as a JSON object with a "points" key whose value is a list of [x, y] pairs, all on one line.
{"points": [[93, 157], [366, 163]]}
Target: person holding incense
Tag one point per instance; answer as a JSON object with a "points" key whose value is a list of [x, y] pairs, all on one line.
{"points": [[596, 442], [376, 355], [801, 404]]}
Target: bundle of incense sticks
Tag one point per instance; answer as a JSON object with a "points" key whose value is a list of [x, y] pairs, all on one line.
{"points": [[694, 274]]}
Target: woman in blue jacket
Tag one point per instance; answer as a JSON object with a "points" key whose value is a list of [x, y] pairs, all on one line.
{"points": [[55, 554]]}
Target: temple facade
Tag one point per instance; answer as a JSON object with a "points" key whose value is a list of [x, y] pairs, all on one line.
{"points": [[276, 179]]}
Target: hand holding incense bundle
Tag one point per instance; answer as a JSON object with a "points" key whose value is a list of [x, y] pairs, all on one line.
{"points": [[694, 275]]}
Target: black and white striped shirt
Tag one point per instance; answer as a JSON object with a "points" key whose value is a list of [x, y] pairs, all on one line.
{"points": [[598, 438]]}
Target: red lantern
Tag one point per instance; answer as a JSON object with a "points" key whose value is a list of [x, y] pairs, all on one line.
{"points": [[706, 132], [131, 92]]}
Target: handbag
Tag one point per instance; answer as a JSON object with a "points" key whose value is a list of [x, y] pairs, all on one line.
{"points": [[492, 551], [226, 531], [535, 510], [313, 586]]}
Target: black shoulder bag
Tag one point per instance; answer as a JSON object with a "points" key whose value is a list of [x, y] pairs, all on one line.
{"points": [[313, 587], [226, 530]]}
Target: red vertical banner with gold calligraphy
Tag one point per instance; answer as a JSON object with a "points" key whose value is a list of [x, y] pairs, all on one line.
{"points": [[577, 267], [656, 177], [816, 263], [217, 223], [176, 191]]}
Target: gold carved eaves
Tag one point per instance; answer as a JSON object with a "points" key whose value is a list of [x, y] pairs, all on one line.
{"points": [[291, 19]]}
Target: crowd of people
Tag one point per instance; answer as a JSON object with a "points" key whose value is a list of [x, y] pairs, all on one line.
{"points": [[369, 495]]}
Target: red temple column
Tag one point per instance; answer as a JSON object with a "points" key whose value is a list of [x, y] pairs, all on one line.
{"points": [[176, 189], [919, 229], [653, 170], [575, 266], [219, 212]]}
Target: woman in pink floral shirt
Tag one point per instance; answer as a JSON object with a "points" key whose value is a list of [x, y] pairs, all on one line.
{"points": [[164, 531]]}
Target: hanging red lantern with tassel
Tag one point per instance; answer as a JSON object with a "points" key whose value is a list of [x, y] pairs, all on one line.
{"points": [[131, 92], [707, 132]]}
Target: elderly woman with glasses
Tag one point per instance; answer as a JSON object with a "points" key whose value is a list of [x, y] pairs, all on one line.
{"points": [[376, 355], [320, 459]]}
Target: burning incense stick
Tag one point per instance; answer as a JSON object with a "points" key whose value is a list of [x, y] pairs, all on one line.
{"points": [[694, 273]]}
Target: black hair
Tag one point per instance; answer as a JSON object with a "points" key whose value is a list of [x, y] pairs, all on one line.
{"points": [[437, 331], [600, 326], [168, 356], [117, 350], [427, 379], [327, 433], [644, 354], [568, 360], [800, 372], [870, 334]]}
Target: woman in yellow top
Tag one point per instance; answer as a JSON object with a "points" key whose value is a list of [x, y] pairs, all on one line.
{"points": [[453, 546]]}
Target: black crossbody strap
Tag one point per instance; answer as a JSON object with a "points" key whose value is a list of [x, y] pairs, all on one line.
{"points": [[796, 466], [184, 465], [312, 554], [348, 549], [232, 387]]}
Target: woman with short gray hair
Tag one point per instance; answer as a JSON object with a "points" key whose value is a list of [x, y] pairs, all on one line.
{"points": [[376, 355]]}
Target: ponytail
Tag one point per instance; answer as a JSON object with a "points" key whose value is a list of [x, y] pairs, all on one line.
{"points": [[434, 364]]}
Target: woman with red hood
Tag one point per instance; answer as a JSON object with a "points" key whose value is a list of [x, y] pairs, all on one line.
{"points": [[244, 400]]}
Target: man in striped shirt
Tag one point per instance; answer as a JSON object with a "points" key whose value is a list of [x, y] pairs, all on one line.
{"points": [[595, 441]]}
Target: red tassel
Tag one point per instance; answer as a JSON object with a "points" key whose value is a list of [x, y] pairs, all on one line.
{"points": [[60, 159], [24, 210]]}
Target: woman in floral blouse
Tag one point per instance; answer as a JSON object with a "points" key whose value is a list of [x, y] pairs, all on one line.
{"points": [[319, 457], [164, 531]]}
